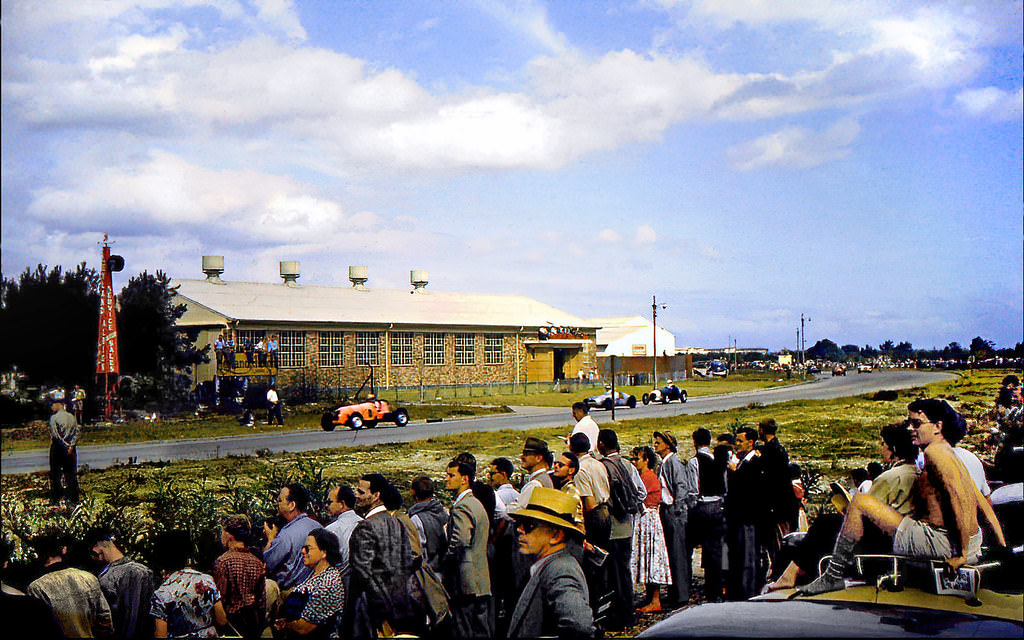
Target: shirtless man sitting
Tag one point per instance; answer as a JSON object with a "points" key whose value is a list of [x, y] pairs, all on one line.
{"points": [[944, 522]]}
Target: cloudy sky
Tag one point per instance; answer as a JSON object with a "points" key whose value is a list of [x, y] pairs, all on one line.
{"points": [[744, 160]]}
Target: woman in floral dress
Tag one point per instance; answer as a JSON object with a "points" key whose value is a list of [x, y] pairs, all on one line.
{"points": [[187, 604], [649, 564], [314, 607]]}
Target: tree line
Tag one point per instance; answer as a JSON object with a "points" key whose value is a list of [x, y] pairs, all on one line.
{"points": [[49, 318], [979, 349]]}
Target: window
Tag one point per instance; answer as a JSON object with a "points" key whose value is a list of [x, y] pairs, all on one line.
{"points": [[401, 348], [292, 349], [366, 348], [433, 348], [465, 348], [252, 336], [332, 345], [493, 349]]}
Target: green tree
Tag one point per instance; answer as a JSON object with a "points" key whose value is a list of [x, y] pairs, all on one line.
{"points": [[825, 349], [154, 353], [868, 351], [953, 351], [49, 319], [903, 351], [886, 347], [982, 348]]}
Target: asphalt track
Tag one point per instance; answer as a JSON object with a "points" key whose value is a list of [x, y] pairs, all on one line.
{"points": [[98, 457]]}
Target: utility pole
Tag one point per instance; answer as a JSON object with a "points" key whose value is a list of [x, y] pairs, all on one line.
{"points": [[803, 341], [654, 342]]}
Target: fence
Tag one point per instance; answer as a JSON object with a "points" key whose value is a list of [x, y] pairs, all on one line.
{"points": [[314, 391]]}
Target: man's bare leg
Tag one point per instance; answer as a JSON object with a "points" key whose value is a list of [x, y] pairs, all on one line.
{"points": [[863, 508], [786, 580]]}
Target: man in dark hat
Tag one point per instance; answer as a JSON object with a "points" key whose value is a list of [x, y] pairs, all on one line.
{"points": [[536, 460], [555, 601]]}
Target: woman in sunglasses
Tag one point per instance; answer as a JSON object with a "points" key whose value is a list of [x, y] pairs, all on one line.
{"points": [[313, 609]]}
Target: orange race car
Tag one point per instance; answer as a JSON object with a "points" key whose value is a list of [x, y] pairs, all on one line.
{"points": [[360, 413]]}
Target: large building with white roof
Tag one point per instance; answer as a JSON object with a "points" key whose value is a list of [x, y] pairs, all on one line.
{"points": [[632, 336], [332, 335]]}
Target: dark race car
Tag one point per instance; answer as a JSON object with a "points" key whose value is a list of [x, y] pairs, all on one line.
{"points": [[669, 393], [605, 400]]}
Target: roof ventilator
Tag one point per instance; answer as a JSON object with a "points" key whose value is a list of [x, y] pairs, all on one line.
{"points": [[419, 279], [358, 276], [290, 272], [213, 266]]}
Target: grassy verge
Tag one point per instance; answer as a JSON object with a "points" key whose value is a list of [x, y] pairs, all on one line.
{"points": [[296, 419]]}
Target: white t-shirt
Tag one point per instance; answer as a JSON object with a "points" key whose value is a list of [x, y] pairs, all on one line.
{"points": [[973, 464], [589, 427]]}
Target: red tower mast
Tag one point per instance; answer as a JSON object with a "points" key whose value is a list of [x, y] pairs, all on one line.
{"points": [[108, 367]]}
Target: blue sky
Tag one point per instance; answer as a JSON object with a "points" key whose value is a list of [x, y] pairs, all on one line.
{"points": [[745, 161]]}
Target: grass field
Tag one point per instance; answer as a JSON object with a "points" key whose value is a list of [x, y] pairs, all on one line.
{"points": [[474, 401]]}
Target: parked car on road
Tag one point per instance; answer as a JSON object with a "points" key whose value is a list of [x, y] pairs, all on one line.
{"points": [[863, 368], [664, 395], [605, 400]]}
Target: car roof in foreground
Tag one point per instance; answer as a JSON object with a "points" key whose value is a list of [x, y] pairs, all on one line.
{"points": [[855, 612]]}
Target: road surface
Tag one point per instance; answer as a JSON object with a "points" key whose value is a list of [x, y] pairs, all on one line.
{"points": [[97, 457]]}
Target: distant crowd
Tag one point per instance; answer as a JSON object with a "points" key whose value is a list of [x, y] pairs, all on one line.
{"points": [[593, 539]]}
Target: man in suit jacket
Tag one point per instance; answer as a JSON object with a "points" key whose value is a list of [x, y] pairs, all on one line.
{"points": [[466, 572], [678, 488], [379, 557], [744, 509], [555, 601]]}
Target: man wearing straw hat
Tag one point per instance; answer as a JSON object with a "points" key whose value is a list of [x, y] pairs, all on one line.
{"points": [[555, 601]]}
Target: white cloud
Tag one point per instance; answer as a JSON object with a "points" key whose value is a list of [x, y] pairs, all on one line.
{"points": [[281, 14], [609, 236], [795, 147], [992, 103], [645, 234], [136, 47], [166, 192], [529, 19]]}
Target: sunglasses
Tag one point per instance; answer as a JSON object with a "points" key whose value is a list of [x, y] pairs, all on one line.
{"points": [[528, 525]]}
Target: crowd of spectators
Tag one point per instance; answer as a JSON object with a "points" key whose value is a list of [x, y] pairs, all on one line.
{"points": [[590, 541]]}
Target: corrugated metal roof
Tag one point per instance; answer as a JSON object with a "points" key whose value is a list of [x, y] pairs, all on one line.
{"points": [[265, 302]]}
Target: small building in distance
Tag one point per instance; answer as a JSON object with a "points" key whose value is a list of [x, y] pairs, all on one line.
{"points": [[631, 336], [330, 335], [633, 340]]}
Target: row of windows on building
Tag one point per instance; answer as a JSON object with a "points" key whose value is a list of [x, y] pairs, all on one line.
{"points": [[331, 347]]}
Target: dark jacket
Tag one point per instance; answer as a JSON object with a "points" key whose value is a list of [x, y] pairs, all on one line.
{"points": [[745, 503], [433, 517], [380, 557], [782, 505], [555, 601]]}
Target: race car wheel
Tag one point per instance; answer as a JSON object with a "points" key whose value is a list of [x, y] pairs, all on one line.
{"points": [[356, 421], [682, 396], [631, 403], [607, 404], [646, 398], [401, 417], [327, 421], [664, 398]]}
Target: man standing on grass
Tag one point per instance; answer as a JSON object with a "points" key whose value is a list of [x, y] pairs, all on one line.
{"points": [[380, 555], [341, 504], [944, 523], [466, 572], [584, 423], [744, 509], [283, 553], [677, 484], [274, 407], [63, 456]]}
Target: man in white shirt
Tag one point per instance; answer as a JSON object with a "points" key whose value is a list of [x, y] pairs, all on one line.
{"points": [[501, 471], [584, 423], [274, 407], [341, 504]]}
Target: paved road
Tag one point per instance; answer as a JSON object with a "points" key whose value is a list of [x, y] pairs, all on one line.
{"points": [[525, 418]]}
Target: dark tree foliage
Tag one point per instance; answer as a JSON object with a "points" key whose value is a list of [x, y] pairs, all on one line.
{"points": [[886, 347], [982, 348], [903, 351], [155, 355], [851, 350], [49, 319], [825, 349], [868, 351], [953, 351]]}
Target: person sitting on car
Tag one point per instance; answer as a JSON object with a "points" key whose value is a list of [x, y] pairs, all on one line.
{"points": [[944, 524]]}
